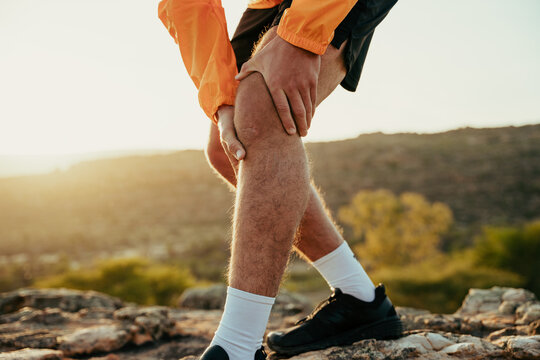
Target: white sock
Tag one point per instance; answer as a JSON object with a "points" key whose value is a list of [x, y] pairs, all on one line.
{"points": [[341, 270], [241, 329]]}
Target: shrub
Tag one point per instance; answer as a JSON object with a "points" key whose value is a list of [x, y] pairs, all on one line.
{"points": [[131, 279], [396, 230], [512, 248], [441, 283]]}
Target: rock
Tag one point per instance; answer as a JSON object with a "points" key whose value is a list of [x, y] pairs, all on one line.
{"points": [[508, 307], [521, 347], [534, 328], [209, 298], [95, 314], [132, 312], [417, 341], [462, 349], [104, 338], [16, 316], [32, 354], [438, 341], [421, 345], [106, 357], [213, 298], [528, 312], [441, 322], [509, 331], [518, 296], [288, 303], [28, 338], [48, 317], [62, 299], [496, 323], [471, 325], [149, 323], [482, 301]]}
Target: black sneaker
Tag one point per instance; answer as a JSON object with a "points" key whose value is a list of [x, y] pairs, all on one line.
{"points": [[216, 352], [340, 320]]}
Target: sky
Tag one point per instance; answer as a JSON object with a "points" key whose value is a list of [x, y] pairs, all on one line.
{"points": [[82, 76]]}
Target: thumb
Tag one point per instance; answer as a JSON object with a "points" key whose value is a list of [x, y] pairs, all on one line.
{"points": [[246, 69]]}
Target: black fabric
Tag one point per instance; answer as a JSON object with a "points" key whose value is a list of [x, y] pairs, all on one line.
{"points": [[216, 352], [252, 26], [357, 27]]}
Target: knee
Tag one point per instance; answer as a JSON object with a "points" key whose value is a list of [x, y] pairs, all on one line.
{"points": [[256, 119]]}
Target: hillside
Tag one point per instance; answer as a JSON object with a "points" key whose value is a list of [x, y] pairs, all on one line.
{"points": [[164, 203], [484, 175]]}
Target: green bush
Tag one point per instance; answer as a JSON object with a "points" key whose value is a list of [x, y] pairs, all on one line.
{"points": [[440, 285], [396, 230], [131, 279], [512, 248]]}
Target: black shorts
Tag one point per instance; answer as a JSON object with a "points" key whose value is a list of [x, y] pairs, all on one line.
{"points": [[357, 27]]}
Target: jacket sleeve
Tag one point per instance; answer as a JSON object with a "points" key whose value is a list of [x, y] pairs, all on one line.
{"points": [[200, 30], [310, 24]]}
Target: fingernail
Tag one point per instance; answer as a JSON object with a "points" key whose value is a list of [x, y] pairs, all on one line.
{"points": [[239, 154], [291, 130]]}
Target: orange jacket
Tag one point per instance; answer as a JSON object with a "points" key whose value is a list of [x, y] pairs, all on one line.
{"points": [[200, 30]]}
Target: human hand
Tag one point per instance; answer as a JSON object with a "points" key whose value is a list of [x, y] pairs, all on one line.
{"points": [[291, 75], [233, 147]]}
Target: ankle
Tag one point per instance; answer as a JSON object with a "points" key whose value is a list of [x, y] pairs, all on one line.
{"points": [[341, 269], [241, 329]]}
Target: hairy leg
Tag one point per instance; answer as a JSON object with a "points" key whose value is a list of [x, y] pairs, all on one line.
{"points": [[272, 193], [317, 234], [273, 184]]}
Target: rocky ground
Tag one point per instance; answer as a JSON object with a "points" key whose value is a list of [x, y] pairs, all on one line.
{"points": [[498, 323]]}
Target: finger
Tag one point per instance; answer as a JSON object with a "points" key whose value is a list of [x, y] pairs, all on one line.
{"points": [[299, 112], [231, 144], [306, 98], [246, 69], [313, 93], [284, 111], [234, 163]]}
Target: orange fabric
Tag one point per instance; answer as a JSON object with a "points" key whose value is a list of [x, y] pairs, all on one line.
{"points": [[200, 30], [310, 24], [263, 4]]}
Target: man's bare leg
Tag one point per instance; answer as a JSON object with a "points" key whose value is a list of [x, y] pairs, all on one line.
{"points": [[273, 184], [317, 234], [273, 191], [317, 239], [272, 195]]}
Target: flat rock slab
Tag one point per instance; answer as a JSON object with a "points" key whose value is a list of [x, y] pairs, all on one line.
{"points": [[32, 354], [44, 324]]}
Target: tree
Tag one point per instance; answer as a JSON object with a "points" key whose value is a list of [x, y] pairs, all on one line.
{"points": [[395, 231]]}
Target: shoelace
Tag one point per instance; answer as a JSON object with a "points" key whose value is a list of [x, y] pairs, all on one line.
{"points": [[321, 305]]}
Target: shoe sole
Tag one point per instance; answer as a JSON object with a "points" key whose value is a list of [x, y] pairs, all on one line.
{"points": [[387, 329]]}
